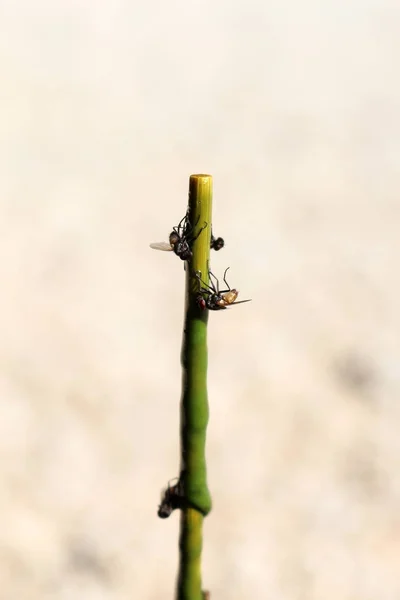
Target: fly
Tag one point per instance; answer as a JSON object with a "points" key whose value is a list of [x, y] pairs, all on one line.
{"points": [[216, 243], [181, 239], [171, 499], [212, 297]]}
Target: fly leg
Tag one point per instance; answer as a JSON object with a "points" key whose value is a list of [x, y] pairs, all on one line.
{"points": [[210, 287]]}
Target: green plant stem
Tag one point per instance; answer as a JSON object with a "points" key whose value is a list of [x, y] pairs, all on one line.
{"points": [[194, 403]]}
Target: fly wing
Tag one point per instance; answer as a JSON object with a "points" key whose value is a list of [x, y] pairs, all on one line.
{"points": [[162, 246], [240, 302]]}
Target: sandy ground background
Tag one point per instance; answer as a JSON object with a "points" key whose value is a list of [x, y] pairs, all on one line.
{"points": [[106, 109]]}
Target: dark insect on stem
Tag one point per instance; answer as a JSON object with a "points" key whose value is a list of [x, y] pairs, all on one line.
{"points": [[171, 499], [211, 297], [216, 243], [181, 239]]}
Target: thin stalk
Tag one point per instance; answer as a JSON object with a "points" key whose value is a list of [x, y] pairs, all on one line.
{"points": [[194, 402]]}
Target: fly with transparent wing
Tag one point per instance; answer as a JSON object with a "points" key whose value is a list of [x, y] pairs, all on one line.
{"points": [[182, 237]]}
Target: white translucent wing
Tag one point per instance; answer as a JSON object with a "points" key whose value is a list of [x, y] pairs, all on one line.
{"points": [[161, 246], [241, 302]]}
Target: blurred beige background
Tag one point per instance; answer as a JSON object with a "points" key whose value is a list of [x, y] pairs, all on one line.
{"points": [[106, 109]]}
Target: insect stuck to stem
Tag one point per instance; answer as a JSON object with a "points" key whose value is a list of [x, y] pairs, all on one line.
{"points": [[171, 499], [212, 297], [181, 239], [216, 243]]}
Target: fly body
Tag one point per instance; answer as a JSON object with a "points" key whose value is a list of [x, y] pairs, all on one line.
{"points": [[171, 499], [181, 239], [216, 243], [211, 297]]}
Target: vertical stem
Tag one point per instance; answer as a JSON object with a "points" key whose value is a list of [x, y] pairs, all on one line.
{"points": [[194, 402]]}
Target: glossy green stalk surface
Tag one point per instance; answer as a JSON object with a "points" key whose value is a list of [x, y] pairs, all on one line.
{"points": [[194, 402]]}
